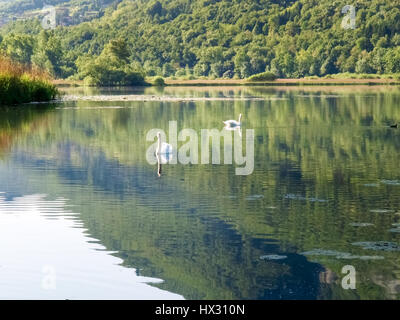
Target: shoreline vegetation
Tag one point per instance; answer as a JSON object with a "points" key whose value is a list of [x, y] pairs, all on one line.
{"points": [[23, 84], [336, 79]]}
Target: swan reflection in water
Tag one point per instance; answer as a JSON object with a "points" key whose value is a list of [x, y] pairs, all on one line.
{"points": [[238, 129], [163, 153], [233, 125]]}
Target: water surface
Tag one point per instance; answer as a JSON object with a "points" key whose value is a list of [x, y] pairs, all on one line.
{"points": [[83, 215]]}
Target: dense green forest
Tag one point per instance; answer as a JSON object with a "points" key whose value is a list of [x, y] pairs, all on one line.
{"points": [[69, 12], [210, 38]]}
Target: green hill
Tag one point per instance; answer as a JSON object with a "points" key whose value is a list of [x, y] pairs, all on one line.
{"points": [[211, 38], [69, 11]]}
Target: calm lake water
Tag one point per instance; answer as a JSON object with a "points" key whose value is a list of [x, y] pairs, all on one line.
{"points": [[84, 215]]}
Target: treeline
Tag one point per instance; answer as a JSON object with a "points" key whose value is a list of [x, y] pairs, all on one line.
{"points": [[218, 39]]}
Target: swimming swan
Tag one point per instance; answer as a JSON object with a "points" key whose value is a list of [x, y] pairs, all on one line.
{"points": [[164, 151], [163, 147], [234, 123]]}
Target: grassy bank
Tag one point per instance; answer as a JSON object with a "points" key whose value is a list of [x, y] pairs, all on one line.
{"points": [[267, 79], [22, 84], [282, 82], [336, 79]]}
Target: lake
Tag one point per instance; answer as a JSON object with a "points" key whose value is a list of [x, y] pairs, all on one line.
{"points": [[84, 215]]}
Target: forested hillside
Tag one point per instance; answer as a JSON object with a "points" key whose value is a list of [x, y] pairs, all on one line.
{"points": [[226, 38], [69, 11]]}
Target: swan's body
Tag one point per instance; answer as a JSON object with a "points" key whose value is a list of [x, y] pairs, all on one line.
{"points": [[234, 123], [163, 147], [164, 151], [394, 125]]}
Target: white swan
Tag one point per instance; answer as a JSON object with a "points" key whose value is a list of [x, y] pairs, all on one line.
{"points": [[163, 147], [234, 123], [164, 150]]}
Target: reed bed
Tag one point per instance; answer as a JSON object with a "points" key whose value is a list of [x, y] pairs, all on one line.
{"points": [[22, 83]]}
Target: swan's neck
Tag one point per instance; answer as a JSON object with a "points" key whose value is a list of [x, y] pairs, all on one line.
{"points": [[158, 145], [240, 118]]}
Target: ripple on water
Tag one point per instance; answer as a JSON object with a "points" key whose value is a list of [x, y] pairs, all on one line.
{"points": [[292, 196], [378, 245], [391, 182], [254, 197], [273, 257], [361, 224], [381, 211], [396, 229], [339, 254], [372, 185]]}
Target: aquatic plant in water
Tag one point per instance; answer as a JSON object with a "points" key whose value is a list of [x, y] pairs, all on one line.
{"points": [[23, 84]]}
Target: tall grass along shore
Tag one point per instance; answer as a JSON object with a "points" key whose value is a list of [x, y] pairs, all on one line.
{"points": [[23, 84]]}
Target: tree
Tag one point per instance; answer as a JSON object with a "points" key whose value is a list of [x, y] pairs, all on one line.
{"points": [[111, 68], [18, 47], [392, 58], [212, 37], [304, 61], [117, 52], [48, 54], [155, 8]]}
